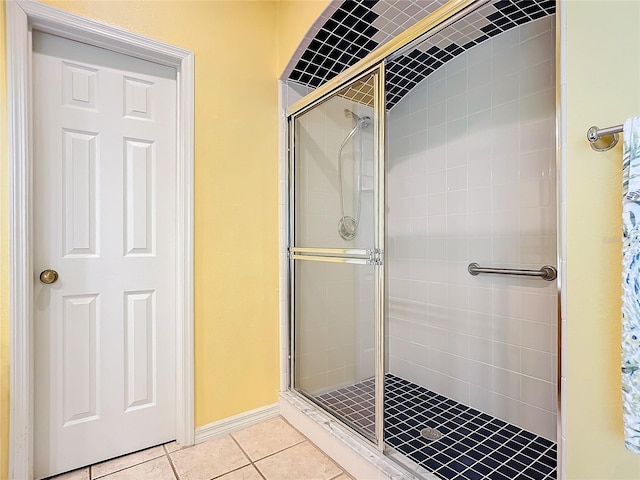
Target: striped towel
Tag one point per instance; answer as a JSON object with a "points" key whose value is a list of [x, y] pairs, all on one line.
{"points": [[631, 284]]}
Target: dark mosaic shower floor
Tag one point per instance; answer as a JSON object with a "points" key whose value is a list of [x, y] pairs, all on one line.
{"points": [[474, 445]]}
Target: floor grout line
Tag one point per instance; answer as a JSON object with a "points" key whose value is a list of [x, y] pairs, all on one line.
{"points": [[125, 468], [251, 462], [173, 467]]}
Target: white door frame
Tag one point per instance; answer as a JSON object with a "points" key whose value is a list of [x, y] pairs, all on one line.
{"points": [[23, 16]]}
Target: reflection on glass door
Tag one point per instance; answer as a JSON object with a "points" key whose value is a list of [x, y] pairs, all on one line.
{"points": [[335, 251]]}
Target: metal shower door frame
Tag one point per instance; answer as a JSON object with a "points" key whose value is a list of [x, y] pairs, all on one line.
{"points": [[373, 256]]}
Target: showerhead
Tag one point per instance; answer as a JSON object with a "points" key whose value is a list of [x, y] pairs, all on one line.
{"points": [[362, 122]]}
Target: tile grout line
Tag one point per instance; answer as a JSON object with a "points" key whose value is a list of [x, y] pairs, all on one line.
{"points": [[126, 468], [246, 455], [173, 467], [306, 439]]}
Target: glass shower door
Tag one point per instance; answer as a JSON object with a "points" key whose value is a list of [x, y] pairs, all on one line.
{"points": [[335, 252]]}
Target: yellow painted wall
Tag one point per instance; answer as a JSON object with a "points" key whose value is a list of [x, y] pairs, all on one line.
{"points": [[603, 88], [295, 17]]}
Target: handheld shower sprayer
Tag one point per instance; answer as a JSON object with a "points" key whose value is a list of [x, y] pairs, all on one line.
{"points": [[348, 225]]}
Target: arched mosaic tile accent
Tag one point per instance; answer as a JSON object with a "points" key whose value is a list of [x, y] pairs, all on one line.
{"points": [[357, 27]]}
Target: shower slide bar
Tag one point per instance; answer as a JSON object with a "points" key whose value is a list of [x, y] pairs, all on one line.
{"points": [[603, 139], [547, 272]]}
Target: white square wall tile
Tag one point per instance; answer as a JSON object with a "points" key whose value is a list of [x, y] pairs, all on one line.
{"points": [[457, 106], [480, 199], [479, 100], [481, 251], [481, 399], [458, 390], [506, 329], [436, 182], [505, 222], [507, 408], [507, 383], [536, 50], [480, 299], [480, 325], [458, 297], [456, 202], [459, 367], [478, 171], [506, 303], [537, 78], [539, 308], [457, 178], [536, 336], [506, 250], [481, 350], [506, 356], [504, 89], [481, 374], [436, 115], [457, 225], [458, 345], [436, 247], [479, 74], [457, 248], [539, 421], [436, 92]]}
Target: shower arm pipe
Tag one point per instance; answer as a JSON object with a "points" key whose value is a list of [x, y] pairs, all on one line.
{"points": [[546, 272]]}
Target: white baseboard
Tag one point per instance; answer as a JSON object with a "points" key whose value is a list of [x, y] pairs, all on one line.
{"points": [[246, 419]]}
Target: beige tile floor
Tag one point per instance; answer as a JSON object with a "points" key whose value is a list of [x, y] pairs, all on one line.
{"points": [[271, 450]]}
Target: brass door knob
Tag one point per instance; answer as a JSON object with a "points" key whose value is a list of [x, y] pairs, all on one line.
{"points": [[49, 276]]}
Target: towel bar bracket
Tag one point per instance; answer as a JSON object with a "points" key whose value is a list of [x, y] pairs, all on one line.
{"points": [[603, 139]]}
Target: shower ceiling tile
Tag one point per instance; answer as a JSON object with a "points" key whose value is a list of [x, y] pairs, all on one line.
{"points": [[413, 10], [381, 7], [379, 37], [357, 27]]}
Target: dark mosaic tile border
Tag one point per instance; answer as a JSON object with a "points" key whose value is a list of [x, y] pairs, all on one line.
{"points": [[474, 445], [347, 37]]}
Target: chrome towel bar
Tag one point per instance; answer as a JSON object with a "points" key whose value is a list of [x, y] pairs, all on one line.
{"points": [[547, 272], [603, 139]]}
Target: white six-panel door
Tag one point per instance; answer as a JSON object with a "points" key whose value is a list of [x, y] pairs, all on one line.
{"points": [[104, 218]]}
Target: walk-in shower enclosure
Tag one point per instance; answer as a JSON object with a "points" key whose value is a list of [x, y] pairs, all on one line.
{"points": [[431, 154]]}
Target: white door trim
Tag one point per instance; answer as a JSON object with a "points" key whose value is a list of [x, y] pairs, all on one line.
{"points": [[22, 16]]}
